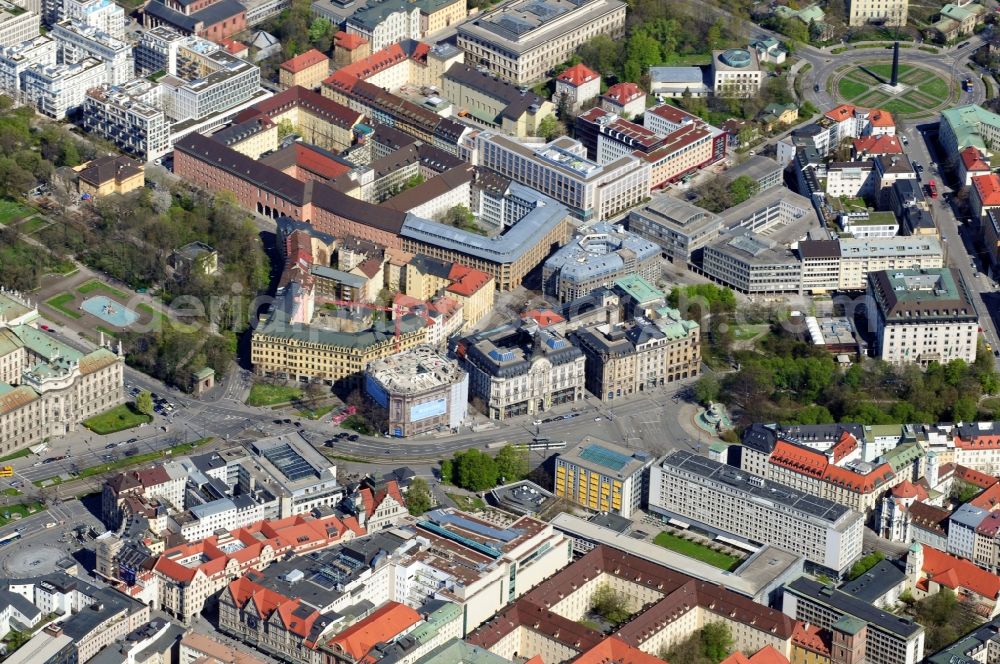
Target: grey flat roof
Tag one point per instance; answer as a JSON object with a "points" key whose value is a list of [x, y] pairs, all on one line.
{"points": [[848, 605], [875, 583], [799, 501], [751, 579], [506, 248], [676, 74]]}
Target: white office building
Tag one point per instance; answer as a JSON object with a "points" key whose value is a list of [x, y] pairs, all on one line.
{"points": [[157, 50], [104, 15], [560, 169], [696, 490], [16, 24], [129, 116], [78, 41], [55, 90], [14, 60], [922, 316]]}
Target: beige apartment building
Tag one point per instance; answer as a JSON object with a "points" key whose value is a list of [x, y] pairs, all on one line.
{"points": [[885, 12], [521, 45], [626, 359], [306, 69], [47, 388]]}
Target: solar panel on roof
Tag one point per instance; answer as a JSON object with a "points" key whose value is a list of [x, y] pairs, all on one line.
{"points": [[605, 457], [289, 462], [515, 25], [545, 11]]}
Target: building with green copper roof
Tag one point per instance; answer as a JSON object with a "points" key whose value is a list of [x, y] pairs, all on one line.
{"points": [[968, 125]]}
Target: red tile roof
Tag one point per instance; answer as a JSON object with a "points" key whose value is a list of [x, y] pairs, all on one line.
{"points": [[372, 500], [880, 118], [232, 46], [988, 188], [956, 573], [623, 93], [988, 500], [348, 40], [465, 280], [389, 621], [844, 447], [810, 637], [907, 489], [304, 61], [614, 650], [876, 145], [365, 68], [840, 113], [973, 476], [299, 97], [577, 75], [310, 159], [815, 464], [544, 317], [672, 114], [973, 159], [766, 655]]}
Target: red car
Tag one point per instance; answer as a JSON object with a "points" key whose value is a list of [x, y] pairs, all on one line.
{"points": [[46, 328]]}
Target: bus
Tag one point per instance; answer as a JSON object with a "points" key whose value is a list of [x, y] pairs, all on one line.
{"points": [[545, 444], [10, 537], [7, 471]]}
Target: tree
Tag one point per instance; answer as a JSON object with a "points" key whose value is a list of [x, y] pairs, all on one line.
{"points": [[418, 497], [864, 564], [562, 108], [448, 471], [642, 52], [549, 127], [475, 470], [742, 189], [706, 390], [610, 604], [714, 37], [144, 402], [285, 128], [602, 54], [717, 641], [512, 463]]}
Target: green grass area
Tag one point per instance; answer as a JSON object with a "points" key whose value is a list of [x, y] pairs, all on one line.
{"points": [[901, 107], [884, 69], [160, 318], [107, 332], [263, 394], [8, 512], [467, 503], [31, 225], [590, 624], [16, 455], [128, 461], [838, 51], [928, 49], [11, 491], [849, 89], [118, 418], [59, 303], [12, 211], [358, 424], [314, 413], [696, 551], [747, 332], [935, 87], [690, 60], [95, 285]]}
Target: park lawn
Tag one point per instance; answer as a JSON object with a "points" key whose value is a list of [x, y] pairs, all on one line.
{"points": [[118, 418], [935, 87], [467, 503], [884, 69], [8, 511], [106, 331], [11, 211], [314, 413], [11, 491], [16, 455], [59, 303], [95, 285], [747, 332], [696, 551], [850, 89], [899, 107], [31, 225], [262, 394]]}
